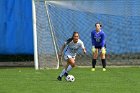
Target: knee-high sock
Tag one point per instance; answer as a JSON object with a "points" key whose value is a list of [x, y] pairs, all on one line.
{"points": [[104, 63], [69, 68], [93, 63], [63, 72]]}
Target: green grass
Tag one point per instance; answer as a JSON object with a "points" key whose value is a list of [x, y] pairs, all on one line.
{"points": [[27, 80]]}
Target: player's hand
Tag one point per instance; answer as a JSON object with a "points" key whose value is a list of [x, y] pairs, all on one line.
{"points": [[103, 50], [93, 49], [85, 51]]}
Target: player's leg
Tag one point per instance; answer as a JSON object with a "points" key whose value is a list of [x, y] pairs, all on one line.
{"points": [[68, 67], [63, 73], [64, 70], [103, 58], [95, 55]]}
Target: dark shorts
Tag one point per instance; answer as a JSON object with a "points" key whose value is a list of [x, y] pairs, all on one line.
{"points": [[99, 47]]}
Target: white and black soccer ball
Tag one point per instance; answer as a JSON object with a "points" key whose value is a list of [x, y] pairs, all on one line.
{"points": [[70, 78]]}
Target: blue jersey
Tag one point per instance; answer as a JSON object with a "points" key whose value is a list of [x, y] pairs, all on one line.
{"points": [[98, 38]]}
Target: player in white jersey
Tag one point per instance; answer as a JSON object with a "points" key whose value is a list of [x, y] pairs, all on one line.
{"points": [[72, 45]]}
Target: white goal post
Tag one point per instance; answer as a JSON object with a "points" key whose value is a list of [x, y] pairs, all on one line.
{"points": [[45, 51]]}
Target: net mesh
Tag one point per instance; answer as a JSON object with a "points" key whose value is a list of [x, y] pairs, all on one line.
{"points": [[120, 19], [45, 47]]}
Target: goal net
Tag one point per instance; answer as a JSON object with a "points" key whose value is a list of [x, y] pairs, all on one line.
{"points": [[57, 20]]}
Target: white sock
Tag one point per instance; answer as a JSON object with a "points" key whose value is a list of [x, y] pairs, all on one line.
{"points": [[62, 73], [69, 68]]}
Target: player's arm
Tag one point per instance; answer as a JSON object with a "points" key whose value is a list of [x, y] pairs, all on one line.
{"points": [[103, 43], [93, 42], [64, 45], [84, 50], [83, 47], [62, 49]]}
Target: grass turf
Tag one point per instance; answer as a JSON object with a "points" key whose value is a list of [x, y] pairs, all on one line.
{"points": [[28, 80]]}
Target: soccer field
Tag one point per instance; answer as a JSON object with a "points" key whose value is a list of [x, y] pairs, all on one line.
{"points": [[28, 80]]}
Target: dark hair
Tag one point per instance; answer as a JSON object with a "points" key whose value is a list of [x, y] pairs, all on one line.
{"points": [[70, 39], [98, 23]]}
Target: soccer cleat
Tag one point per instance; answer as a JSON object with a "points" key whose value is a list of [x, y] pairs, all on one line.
{"points": [[66, 74], [93, 69], [59, 78], [104, 69]]}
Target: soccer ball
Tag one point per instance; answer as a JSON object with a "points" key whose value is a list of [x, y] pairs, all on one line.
{"points": [[70, 78]]}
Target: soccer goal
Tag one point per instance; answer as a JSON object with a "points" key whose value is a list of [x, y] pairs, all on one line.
{"points": [[55, 21], [45, 50]]}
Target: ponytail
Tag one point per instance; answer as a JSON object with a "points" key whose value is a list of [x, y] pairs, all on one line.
{"points": [[69, 40]]}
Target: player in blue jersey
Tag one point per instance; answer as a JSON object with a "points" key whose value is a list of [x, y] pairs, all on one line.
{"points": [[98, 45], [72, 45]]}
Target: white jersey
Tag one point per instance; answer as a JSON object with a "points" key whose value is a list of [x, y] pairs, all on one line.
{"points": [[72, 47]]}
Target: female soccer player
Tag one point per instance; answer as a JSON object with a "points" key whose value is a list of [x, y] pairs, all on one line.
{"points": [[98, 45], [72, 45]]}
